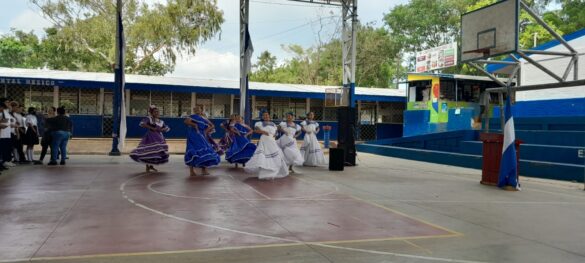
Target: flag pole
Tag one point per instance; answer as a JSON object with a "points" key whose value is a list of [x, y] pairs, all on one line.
{"points": [[118, 85]]}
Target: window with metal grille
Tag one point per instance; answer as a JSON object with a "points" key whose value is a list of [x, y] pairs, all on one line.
{"points": [[367, 114], [221, 106], [237, 105], [204, 100], [139, 102], [162, 101], [88, 101], [108, 103], [69, 99], [298, 107], [15, 93], [330, 114], [181, 104], [40, 98], [262, 104], [317, 108], [391, 112], [280, 106]]}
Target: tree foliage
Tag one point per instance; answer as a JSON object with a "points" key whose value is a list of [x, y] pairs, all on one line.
{"points": [[376, 62], [82, 37]]}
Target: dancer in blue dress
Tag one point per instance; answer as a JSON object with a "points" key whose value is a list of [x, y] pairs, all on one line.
{"points": [[199, 153], [241, 149]]}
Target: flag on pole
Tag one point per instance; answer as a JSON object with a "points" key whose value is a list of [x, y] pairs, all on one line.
{"points": [[248, 51], [120, 78], [509, 164]]}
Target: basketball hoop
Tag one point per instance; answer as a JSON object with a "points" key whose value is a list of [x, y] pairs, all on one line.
{"points": [[485, 51]]}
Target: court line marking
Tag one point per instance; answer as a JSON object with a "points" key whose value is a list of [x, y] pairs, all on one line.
{"points": [[480, 202], [405, 215], [418, 247], [151, 188], [320, 244]]}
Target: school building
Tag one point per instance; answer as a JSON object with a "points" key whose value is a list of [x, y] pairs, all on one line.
{"points": [[88, 98]]}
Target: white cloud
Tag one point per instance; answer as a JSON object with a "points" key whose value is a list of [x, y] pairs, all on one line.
{"points": [[30, 20], [208, 64]]}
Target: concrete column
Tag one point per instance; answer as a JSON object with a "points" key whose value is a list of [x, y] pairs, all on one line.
{"points": [[56, 97], [253, 106], [378, 116], [193, 101], [308, 106], [232, 104], [100, 108], [359, 109], [127, 95]]}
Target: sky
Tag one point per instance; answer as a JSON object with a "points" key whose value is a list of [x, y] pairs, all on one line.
{"points": [[273, 23]]}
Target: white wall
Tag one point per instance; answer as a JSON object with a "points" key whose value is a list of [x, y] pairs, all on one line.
{"points": [[531, 75]]}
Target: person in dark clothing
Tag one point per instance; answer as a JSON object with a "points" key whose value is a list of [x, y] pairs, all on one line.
{"points": [[60, 128], [46, 131]]}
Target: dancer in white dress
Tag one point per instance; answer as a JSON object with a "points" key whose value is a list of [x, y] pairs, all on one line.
{"points": [[288, 142], [311, 149], [268, 160]]}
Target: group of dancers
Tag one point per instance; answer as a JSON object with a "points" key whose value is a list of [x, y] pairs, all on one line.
{"points": [[270, 158]]}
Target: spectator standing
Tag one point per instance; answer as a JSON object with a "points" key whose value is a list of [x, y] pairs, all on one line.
{"points": [[18, 133], [31, 136], [60, 128], [47, 138], [6, 125]]}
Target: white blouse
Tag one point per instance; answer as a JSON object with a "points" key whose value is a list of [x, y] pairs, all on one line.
{"points": [[269, 127]]}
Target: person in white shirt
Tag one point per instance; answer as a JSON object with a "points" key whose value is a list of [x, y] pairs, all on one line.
{"points": [[311, 149], [18, 133], [268, 160], [6, 125], [288, 142], [31, 136]]}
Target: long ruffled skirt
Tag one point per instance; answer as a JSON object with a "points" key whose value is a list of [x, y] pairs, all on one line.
{"points": [[311, 151], [199, 152], [240, 150], [153, 149], [268, 160], [292, 155]]}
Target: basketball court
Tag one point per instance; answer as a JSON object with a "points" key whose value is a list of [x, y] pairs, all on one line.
{"points": [[384, 210]]}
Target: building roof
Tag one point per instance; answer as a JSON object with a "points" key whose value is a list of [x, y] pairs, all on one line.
{"points": [[176, 84], [455, 76], [494, 68]]}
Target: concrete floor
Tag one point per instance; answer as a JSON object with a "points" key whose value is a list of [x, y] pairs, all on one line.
{"points": [[105, 209]]}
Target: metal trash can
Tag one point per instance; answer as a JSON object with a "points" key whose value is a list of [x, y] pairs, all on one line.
{"points": [[336, 159], [492, 156]]}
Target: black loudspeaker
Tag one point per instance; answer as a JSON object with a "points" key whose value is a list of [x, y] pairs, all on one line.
{"points": [[346, 121], [336, 159]]}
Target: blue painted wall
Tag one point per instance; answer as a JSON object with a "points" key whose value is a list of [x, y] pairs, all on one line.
{"points": [[388, 130], [91, 126]]}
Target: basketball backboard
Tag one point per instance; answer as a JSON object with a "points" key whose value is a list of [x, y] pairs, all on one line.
{"points": [[336, 97], [490, 31]]}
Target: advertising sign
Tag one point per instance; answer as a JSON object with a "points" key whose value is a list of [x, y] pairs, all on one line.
{"points": [[437, 58]]}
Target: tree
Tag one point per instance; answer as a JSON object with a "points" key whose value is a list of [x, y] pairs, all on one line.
{"points": [[155, 34], [19, 50], [376, 62]]}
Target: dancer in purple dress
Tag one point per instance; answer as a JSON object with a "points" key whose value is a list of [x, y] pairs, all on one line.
{"points": [[241, 149], [153, 148], [199, 153]]}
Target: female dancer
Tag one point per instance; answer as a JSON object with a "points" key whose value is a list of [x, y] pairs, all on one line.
{"points": [[199, 152], [241, 149], [216, 147], [288, 141], [31, 136], [311, 149], [153, 148], [225, 141], [268, 159], [47, 138]]}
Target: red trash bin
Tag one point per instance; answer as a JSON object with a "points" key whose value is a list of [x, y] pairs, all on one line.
{"points": [[492, 155]]}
